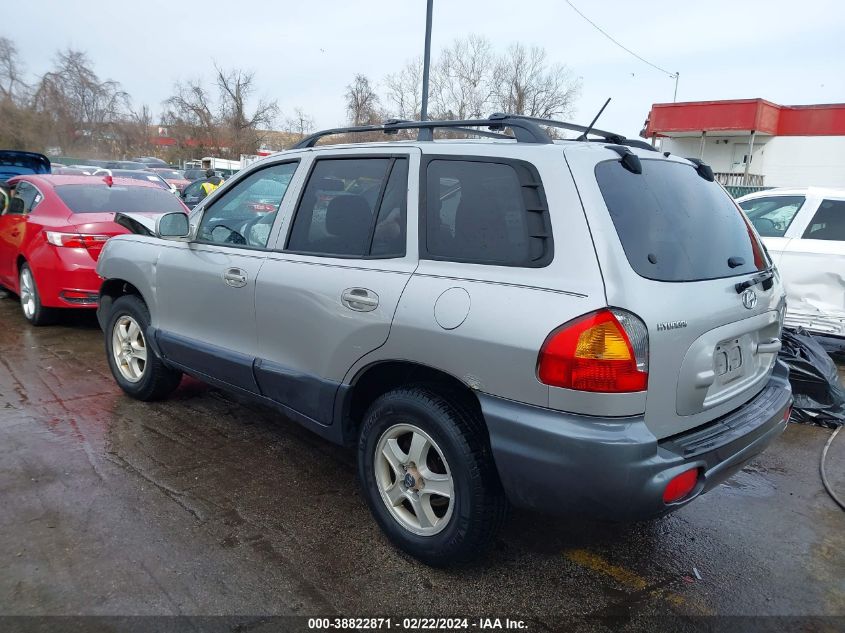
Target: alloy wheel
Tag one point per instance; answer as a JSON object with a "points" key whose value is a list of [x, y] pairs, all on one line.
{"points": [[414, 479], [129, 348], [27, 293]]}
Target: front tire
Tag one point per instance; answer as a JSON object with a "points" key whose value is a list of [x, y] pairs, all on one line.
{"points": [[428, 475], [31, 306], [133, 363]]}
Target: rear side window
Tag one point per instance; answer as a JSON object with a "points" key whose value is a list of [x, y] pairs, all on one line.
{"points": [[828, 223], [485, 213], [772, 216], [353, 207], [676, 226], [100, 198]]}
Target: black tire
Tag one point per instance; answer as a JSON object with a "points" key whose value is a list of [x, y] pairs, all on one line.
{"points": [[39, 314], [458, 430], [157, 381]]}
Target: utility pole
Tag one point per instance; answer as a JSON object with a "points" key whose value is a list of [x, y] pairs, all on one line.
{"points": [[675, 96], [426, 60]]}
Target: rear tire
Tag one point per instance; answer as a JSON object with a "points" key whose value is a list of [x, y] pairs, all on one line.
{"points": [[448, 440], [134, 364], [31, 306]]}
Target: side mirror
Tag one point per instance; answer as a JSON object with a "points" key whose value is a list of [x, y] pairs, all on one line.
{"points": [[173, 226], [16, 206]]}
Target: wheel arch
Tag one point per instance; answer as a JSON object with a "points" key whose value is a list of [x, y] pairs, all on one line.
{"points": [[110, 291], [382, 376]]}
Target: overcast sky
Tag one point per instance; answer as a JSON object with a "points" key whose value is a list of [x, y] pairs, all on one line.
{"points": [[305, 52]]}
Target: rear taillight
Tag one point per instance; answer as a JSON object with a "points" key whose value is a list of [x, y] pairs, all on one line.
{"points": [[93, 243], [605, 351]]}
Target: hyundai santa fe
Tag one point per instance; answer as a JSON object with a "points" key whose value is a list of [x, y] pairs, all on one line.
{"points": [[583, 327]]}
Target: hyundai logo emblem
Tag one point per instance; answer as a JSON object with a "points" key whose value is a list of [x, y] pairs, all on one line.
{"points": [[749, 299]]}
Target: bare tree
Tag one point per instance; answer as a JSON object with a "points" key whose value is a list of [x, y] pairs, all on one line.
{"points": [[525, 83], [11, 84], [361, 101], [82, 109], [190, 115], [300, 123], [461, 85], [244, 126], [404, 90]]}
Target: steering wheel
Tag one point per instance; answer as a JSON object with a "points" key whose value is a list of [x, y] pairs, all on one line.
{"points": [[247, 228]]}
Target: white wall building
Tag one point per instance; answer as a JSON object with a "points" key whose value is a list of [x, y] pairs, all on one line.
{"points": [[791, 146]]}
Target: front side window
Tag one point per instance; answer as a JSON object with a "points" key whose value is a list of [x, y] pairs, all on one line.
{"points": [[485, 213], [244, 215], [828, 222], [353, 207], [772, 216]]}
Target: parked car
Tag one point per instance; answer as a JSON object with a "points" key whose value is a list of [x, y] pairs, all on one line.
{"points": [[122, 164], [87, 170], [804, 231], [174, 177], [62, 170], [576, 327], [135, 174], [15, 163], [199, 174], [152, 161], [54, 229]]}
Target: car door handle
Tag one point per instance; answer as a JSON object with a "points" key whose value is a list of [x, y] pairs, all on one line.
{"points": [[359, 299], [772, 346], [235, 277]]}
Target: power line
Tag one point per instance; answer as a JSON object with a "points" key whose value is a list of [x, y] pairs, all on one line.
{"points": [[619, 44]]}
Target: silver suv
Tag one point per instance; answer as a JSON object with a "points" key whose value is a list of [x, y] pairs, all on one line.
{"points": [[578, 327]]}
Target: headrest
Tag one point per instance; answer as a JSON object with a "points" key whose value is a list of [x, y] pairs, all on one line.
{"points": [[348, 216]]}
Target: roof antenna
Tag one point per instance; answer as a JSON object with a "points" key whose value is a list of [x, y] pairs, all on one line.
{"points": [[583, 136]]}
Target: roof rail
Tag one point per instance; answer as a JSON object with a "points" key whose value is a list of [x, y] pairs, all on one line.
{"points": [[526, 129]]}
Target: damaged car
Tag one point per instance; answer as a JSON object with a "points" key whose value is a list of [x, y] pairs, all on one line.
{"points": [[804, 232]]}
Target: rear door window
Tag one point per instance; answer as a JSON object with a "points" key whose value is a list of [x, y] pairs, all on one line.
{"points": [[828, 223], [484, 212], [772, 216], [676, 226]]}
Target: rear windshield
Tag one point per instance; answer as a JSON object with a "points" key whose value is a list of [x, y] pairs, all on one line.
{"points": [[676, 226], [100, 198]]}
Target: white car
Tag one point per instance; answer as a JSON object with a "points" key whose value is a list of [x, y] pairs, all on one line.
{"points": [[804, 231]]}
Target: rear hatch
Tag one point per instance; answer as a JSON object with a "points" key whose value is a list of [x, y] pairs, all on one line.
{"points": [[15, 163], [676, 251]]}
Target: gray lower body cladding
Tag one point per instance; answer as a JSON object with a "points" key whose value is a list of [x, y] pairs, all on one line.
{"points": [[615, 468]]}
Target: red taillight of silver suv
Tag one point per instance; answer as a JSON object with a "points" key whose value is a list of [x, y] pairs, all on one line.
{"points": [[604, 351]]}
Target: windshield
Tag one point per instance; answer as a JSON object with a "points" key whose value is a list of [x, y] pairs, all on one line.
{"points": [[771, 216], [676, 226], [100, 198]]}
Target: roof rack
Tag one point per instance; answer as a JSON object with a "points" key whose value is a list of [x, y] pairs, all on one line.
{"points": [[525, 129]]}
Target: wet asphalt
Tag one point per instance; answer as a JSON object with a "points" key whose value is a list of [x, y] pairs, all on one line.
{"points": [[206, 504]]}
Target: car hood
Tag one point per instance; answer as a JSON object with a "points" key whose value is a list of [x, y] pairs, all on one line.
{"points": [[139, 223], [115, 223], [15, 163]]}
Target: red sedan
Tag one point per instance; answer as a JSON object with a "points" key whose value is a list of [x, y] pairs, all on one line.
{"points": [[53, 229], [174, 177]]}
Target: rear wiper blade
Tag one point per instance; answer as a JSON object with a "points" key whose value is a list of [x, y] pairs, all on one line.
{"points": [[762, 278]]}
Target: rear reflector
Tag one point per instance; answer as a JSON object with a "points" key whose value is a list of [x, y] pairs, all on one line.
{"points": [[680, 486], [605, 351]]}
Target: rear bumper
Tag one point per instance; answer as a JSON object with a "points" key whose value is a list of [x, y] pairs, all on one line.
{"points": [[615, 468], [66, 277]]}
